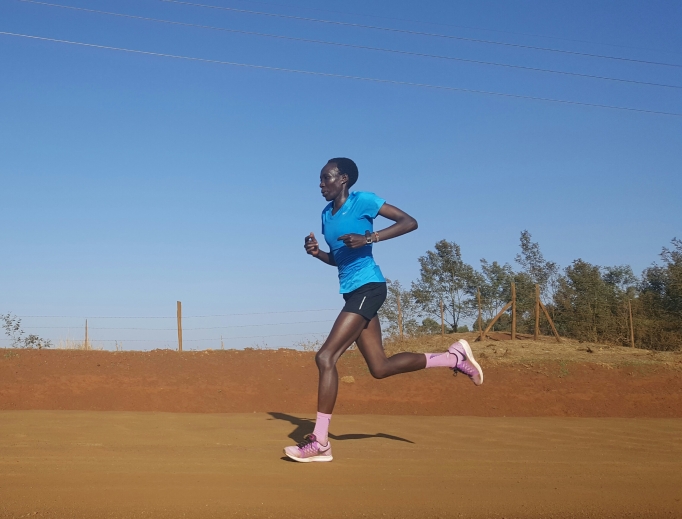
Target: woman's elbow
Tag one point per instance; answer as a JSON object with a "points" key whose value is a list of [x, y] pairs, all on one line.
{"points": [[413, 224]]}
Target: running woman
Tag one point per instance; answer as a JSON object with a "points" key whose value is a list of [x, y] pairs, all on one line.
{"points": [[347, 225]]}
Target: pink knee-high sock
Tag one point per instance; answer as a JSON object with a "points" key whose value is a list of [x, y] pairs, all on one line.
{"points": [[441, 360], [322, 427]]}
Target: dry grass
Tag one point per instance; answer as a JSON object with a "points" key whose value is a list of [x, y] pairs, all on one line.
{"points": [[70, 344], [546, 349], [309, 345], [528, 352]]}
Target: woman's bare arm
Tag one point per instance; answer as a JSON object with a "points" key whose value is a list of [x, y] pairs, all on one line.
{"points": [[404, 223], [313, 248]]}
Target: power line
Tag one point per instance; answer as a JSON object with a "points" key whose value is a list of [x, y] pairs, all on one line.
{"points": [[348, 45], [345, 76], [419, 33], [468, 27]]}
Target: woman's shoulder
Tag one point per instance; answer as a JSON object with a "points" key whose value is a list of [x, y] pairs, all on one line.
{"points": [[327, 208], [364, 195], [367, 199]]}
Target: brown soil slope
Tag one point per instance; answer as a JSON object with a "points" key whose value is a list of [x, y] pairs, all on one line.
{"points": [[534, 384]]}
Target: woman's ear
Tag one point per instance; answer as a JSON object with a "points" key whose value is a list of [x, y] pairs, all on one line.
{"points": [[344, 179]]}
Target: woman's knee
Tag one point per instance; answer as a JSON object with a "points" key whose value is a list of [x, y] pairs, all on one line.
{"points": [[379, 371], [324, 360]]}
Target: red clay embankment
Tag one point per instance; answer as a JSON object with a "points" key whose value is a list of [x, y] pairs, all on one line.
{"points": [[285, 381]]}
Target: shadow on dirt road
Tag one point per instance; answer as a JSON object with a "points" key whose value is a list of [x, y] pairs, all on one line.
{"points": [[305, 426]]}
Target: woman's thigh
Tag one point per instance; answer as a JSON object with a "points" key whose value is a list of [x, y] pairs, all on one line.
{"points": [[370, 344], [346, 330]]}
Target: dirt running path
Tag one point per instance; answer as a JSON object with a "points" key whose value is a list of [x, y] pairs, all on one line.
{"points": [[162, 465]]}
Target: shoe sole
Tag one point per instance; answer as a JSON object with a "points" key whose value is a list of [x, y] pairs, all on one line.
{"points": [[309, 460], [470, 358]]}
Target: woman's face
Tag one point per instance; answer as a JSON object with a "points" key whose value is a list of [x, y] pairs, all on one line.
{"points": [[331, 182]]}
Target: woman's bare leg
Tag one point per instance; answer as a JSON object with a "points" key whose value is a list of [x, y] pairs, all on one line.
{"points": [[345, 331], [372, 349]]}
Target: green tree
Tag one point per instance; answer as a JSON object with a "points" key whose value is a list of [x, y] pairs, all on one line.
{"points": [[388, 313], [659, 306], [495, 285], [535, 270], [429, 327], [591, 302], [12, 326], [539, 271], [445, 277]]}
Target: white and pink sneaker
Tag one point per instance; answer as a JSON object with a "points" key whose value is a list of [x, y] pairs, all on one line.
{"points": [[310, 450], [466, 362]]}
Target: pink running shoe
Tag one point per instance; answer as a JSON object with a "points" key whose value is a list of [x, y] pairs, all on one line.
{"points": [[466, 362], [310, 450]]}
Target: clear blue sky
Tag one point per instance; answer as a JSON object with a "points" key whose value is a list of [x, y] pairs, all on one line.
{"points": [[129, 182]]}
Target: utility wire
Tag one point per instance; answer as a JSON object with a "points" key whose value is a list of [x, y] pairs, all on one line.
{"points": [[348, 45], [345, 76], [468, 27], [419, 33], [454, 26]]}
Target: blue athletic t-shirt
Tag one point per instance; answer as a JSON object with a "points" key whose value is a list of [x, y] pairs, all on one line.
{"points": [[356, 266]]}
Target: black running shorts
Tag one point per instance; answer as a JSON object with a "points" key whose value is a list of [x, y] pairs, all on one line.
{"points": [[365, 300]]}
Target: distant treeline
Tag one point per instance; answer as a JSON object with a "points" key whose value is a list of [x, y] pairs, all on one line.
{"points": [[587, 302]]}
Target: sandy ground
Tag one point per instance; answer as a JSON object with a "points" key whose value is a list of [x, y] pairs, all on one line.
{"points": [[554, 432], [121, 464]]}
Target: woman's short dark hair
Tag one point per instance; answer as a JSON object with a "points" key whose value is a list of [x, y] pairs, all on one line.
{"points": [[346, 167]]}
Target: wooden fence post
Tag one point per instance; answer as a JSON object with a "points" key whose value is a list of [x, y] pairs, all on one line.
{"points": [[222, 344], [179, 326], [442, 320], [480, 315], [513, 323], [632, 327], [551, 323], [536, 332], [85, 344], [400, 317], [499, 314]]}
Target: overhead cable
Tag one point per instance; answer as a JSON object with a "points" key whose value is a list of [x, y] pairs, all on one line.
{"points": [[352, 46], [467, 27], [420, 33], [346, 76]]}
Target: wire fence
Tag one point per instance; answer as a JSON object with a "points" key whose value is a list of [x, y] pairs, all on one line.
{"points": [[270, 330]]}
